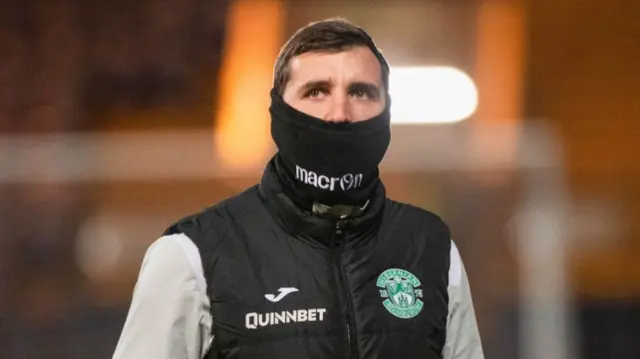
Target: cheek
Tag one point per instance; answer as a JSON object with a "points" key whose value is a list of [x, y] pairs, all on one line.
{"points": [[317, 109], [363, 110]]}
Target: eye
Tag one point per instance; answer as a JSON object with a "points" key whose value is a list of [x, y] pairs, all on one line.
{"points": [[364, 92], [362, 95], [359, 94], [315, 93]]}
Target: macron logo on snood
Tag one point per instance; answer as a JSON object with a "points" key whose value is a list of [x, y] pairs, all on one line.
{"points": [[347, 182]]}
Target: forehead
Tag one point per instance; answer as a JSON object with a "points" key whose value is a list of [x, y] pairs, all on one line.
{"points": [[354, 64]]}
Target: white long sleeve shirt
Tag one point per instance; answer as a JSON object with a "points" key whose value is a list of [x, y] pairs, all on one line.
{"points": [[169, 316]]}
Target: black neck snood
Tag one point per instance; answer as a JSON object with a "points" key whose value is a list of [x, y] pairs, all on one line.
{"points": [[324, 162]]}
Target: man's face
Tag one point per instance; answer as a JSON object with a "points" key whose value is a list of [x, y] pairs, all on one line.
{"points": [[344, 86]]}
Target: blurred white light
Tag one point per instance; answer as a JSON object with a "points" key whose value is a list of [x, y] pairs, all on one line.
{"points": [[98, 248], [431, 95]]}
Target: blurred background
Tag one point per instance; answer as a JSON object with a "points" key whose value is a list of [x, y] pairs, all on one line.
{"points": [[516, 121]]}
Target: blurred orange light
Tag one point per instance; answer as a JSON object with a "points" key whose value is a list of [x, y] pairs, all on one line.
{"points": [[499, 74], [254, 35], [500, 60]]}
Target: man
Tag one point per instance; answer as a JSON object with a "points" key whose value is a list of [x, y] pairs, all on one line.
{"points": [[315, 261]]}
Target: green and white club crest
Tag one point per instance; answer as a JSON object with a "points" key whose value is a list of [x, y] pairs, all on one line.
{"points": [[402, 299]]}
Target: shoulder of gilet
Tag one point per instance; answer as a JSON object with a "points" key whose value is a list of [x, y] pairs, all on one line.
{"points": [[212, 222], [419, 219]]}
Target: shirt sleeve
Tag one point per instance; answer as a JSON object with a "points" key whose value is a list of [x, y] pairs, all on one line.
{"points": [[463, 338], [169, 315]]}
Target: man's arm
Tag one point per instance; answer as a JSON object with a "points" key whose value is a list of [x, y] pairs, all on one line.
{"points": [[463, 338], [169, 314]]}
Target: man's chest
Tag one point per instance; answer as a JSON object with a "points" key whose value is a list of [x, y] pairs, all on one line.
{"points": [[287, 289]]}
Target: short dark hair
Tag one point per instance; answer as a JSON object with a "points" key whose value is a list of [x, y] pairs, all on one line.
{"points": [[330, 35]]}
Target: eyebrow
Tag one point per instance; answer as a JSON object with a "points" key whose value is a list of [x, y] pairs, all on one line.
{"points": [[367, 87], [323, 84]]}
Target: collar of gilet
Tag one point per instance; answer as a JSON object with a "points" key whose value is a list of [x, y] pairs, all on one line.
{"points": [[325, 229]]}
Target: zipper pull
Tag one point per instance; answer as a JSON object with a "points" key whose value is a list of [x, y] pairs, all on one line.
{"points": [[337, 235]]}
